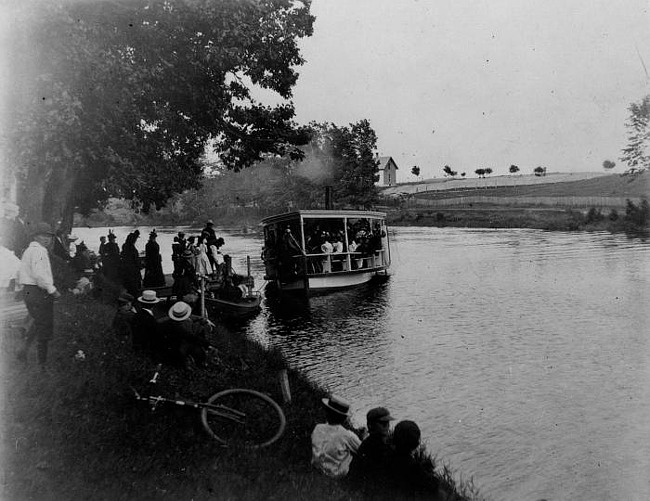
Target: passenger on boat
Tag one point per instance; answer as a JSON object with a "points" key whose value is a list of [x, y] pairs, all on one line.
{"points": [[217, 257], [338, 261], [326, 248], [332, 445], [290, 252], [233, 289]]}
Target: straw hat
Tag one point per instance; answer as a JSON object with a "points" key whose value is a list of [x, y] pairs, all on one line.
{"points": [[149, 297], [180, 311], [337, 405]]}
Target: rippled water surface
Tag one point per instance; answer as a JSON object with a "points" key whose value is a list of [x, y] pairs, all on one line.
{"points": [[523, 355]]}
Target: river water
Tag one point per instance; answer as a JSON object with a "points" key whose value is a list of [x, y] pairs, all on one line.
{"points": [[523, 355]]}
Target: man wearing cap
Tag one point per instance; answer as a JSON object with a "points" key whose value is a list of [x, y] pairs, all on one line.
{"points": [[39, 291], [332, 445], [124, 315], [375, 449]]}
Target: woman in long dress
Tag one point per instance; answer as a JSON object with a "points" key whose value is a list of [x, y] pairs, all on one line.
{"points": [[153, 272], [203, 266], [130, 265]]}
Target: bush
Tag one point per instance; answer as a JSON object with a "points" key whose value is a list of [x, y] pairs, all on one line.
{"points": [[613, 215], [637, 217], [594, 216]]}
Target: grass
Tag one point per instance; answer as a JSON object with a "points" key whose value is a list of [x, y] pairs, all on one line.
{"points": [[75, 431]]}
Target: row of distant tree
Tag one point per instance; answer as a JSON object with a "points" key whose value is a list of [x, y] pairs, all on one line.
{"points": [[513, 169]]}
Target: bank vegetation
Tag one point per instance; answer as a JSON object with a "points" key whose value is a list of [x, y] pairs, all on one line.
{"points": [[76, 432]]}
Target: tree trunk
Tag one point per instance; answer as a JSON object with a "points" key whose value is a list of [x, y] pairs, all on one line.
{"points": [[47, 195]]}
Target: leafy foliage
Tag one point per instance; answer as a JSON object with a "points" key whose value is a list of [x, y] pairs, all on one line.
{"points": [[608, 164], [513, 169], [637, 216], [449, 172], [539, 171], [415, 171], [637, 153], [480, 172], [345, 158], [120, 98]]}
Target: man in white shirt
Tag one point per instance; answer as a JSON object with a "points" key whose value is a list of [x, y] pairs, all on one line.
{"points": [[333, 445], [35, 275]]}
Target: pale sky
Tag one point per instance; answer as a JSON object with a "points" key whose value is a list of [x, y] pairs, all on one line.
{"points": [[481, 83]]}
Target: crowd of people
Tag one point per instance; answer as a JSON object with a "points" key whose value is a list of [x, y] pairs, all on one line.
{"points": [[193, 257], [167, 333], [38, 262], [325, 247], [378, 458]]}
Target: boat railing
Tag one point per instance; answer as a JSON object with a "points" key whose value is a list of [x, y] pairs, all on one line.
{"points": [[338, 262]]}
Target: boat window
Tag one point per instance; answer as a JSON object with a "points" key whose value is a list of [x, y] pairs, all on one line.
{"points": [[317, 231]]}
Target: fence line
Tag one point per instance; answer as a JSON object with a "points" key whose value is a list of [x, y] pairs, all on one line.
{"points": [[582, 202]]}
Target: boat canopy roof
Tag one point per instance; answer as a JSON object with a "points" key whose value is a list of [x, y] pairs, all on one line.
{"points": [[323, 214]]}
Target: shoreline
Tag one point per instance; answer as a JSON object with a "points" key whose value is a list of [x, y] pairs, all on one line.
{"points": [[76, 432]]}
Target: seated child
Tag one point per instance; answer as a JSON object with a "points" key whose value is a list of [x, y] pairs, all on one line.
{"points": [[333, 445]]}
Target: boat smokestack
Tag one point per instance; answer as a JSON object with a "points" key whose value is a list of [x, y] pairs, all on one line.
{"points": [[328, 198]]}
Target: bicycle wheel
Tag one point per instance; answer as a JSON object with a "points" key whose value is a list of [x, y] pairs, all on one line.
{"points": [[243, 418]]}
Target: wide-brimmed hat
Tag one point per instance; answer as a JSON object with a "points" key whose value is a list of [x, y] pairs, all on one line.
{"points": [[42, 228], [337, 405], [149, 297], [180, 311], [112, 236], [379, 414], [209, 221]]}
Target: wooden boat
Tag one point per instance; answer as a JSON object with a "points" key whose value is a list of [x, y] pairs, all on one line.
{"points": [[240, 308], [296, 257], [215, 298]]}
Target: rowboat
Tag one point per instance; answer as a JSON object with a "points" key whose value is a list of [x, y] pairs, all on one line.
{"points": [[241, 308], [314, 251]]}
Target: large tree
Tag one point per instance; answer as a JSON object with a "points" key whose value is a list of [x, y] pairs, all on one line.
{"points": [[120, 97], [345, 158], [637, 153]]}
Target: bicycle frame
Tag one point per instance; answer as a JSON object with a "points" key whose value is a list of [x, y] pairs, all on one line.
{"points": [[219, 410]]}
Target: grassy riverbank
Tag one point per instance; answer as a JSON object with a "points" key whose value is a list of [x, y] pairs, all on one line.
{"points": [[75, 432], [543, 219]]}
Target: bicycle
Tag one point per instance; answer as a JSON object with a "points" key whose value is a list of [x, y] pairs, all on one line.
{"points": [[236, 417]]}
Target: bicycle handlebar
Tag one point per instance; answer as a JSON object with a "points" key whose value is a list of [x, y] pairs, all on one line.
{"points": [[154, 379]]}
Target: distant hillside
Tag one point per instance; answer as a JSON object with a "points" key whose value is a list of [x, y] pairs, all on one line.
{"points": [[554, 185]]}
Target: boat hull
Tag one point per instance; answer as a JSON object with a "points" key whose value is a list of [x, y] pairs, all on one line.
{"points": [[242, 308], [330, 281]]}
